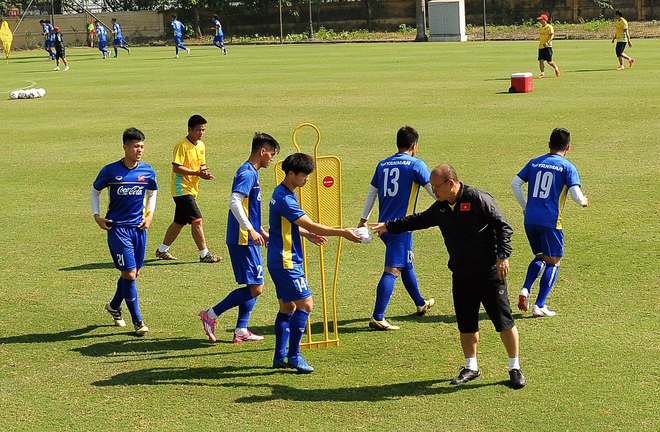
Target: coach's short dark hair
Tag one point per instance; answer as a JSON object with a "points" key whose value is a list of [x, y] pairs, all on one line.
{"points": [[560, 138], [263, 140], [298, 163], [406, 137], [132, 134], [196, 120]]}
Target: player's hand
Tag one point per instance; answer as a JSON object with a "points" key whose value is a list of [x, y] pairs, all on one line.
{"points": [[379, 228], [146, 222], [317, 240], [613, 39], [266, 237], [103, 222], [363, 223], [502, 267], [256, 237], [349, 234], [629, 43], [205, 174]]}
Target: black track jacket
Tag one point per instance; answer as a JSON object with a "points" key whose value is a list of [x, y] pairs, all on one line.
{"points": [[475, 230]]}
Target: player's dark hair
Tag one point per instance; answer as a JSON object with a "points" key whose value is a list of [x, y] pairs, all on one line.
{"points": [[132, 134], [97, 22], [406, 137], [41, 21], [263, 140], [114, 20], [196, 120], [215, 16], [173, 16], [298, 163], [560, 138], [618, 12], [47, 21]]}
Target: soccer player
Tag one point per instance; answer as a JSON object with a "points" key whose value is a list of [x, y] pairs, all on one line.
{"points": [[622, 36], [219, 39], [48, 43], [546, 35], [396, 184], [132, 188], [178, 27], [550, 178], [102, 35], [245, 235], [118, 38], [188, 166], [60, 51], [288, 222], [478, 240]]}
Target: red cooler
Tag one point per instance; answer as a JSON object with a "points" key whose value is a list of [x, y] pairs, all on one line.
{"points": [[521, 83]]}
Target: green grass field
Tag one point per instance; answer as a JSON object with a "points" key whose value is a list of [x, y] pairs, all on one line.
{"points": [[63, 366]]}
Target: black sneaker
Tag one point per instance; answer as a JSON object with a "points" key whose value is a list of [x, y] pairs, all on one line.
{"points": [[140, 328], [210, 258], [465, 375], [518, 380]]}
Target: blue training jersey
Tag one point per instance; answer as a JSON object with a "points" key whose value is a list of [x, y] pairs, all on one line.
{"points": [[246, 182], [178, 27], [549, 177], [218, 28], [117, 30], [51, 33], [284, 245], [101, 32], [398, 179], [45, 30], [127, 190]]}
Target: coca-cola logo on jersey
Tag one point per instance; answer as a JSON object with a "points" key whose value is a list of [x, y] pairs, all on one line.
{"points": [[134, 190]]}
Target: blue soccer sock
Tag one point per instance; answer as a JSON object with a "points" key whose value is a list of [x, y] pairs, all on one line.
{"points": [[115, 303], [116, 51], [383, 294], [281, 334], [125, 47], [218, 45], [547, 282], [52, 53], [409, 279], [131, 299], [244, 311], [233, 299], [534, 270], [297, 327], [183, 47]]}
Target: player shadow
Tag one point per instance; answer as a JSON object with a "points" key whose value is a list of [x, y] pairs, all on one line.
{"points": [[185, 376], [76, 334], [141, 345], [89, 266], [375, 393], [593, 70]]}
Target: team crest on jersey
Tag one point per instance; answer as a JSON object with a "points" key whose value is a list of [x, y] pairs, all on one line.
{"points": [[118, 178], [465, 206], [140, 178]]}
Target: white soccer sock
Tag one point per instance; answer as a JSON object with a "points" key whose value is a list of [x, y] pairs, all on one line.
{"points": [[471, 363], [203, 252], [241, 331], [163, 247], [514, 363]]}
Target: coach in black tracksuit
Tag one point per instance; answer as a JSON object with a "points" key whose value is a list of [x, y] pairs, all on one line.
{"points": [[478, 239]]}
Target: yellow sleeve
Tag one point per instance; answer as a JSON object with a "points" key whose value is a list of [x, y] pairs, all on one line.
{"points": [[179, 156]]}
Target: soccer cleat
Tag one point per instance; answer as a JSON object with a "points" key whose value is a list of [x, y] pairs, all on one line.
{"points": [[114, 56], [428, 304], [210, 258], [382, 325], [280, 364], [66, 68], [209, 325], [116, 315], [523, 300], [140, 328], [249, 337], [188, 50], [224, 52], [542, 312], [56, 68], [518, 380], [129, 50], [176, 56], [465, 375], [541, 76], [632, 60], [557, 72], [620, 68], [167, 256], [300, 365]]}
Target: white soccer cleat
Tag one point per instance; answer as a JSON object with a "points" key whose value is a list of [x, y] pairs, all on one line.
{"points": [[66, 68], [542, 312], [56, 68], [523, 300]]}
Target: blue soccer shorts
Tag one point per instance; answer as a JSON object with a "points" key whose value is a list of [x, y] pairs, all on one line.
{"points": [[102, 45], [118, 41], [247, 264], [127, 247], [398, 250], [545, 240], [177, 40], [220, 38], [290, 284]]}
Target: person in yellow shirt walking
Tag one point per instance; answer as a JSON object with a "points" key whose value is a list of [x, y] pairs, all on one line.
{"points": [[546, 35], [188, 166], [622, 37]]}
